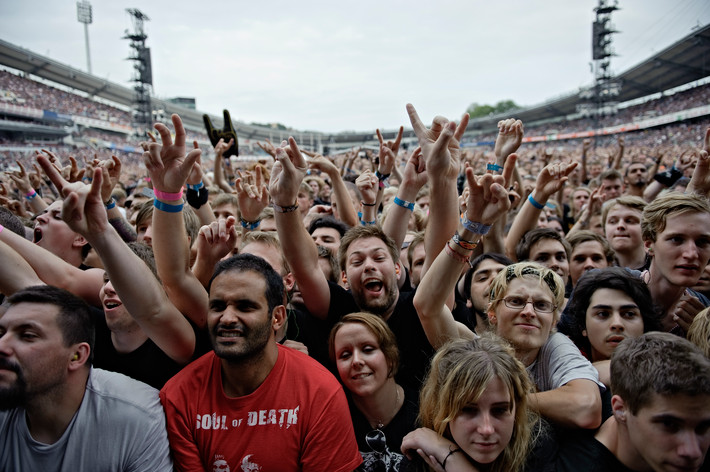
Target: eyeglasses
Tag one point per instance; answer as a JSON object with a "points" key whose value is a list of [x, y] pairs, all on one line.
{"points": [[518, 303]]}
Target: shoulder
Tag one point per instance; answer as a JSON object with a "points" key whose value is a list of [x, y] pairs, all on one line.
{"points": [[192, 376], [306, 369], [121, 396]]}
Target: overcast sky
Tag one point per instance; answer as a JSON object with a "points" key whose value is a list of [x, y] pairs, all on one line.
{"points": [[336, 65]]}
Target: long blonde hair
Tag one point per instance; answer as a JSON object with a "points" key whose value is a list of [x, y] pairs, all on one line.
{"points": [[459, 374]]}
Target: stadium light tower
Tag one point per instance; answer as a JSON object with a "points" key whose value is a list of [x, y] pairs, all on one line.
{"points": [[143, 76], [83, 14], [605, 86]]}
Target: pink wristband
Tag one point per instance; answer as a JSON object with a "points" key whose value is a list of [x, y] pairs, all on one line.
{"points": [[31, 193], [171, 197]]}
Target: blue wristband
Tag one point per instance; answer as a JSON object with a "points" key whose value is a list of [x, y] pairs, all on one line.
{"points": [[494, 167], [167, 208], [535, 203], [196, 186], [111, 204], [475, 228], [404, 203], [249, 225], [365, 223]]}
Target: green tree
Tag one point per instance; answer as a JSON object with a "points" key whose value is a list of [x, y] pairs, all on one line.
{"points": [[476, 110]]}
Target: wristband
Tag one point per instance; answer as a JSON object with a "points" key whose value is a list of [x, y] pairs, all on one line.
{"points": [[249, 225], [381, 177], [172, 197], [455, 255], [166, 207], [463, 244], [404, 203], [365, 223], [535, 203], [197, 198], [368, 204], [475, 228], [32, 194], [494, 167], [197, 186], [286, 209], [111, 204], [451, 451]]}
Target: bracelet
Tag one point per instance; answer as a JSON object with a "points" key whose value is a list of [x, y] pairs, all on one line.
{"points": [[368, 204], [197, 186], [111, 203], [404, 203], [451, 451], [167, 195], [381, 177], [475, 228], [166, 207], [248, 224], [31, 194], [494, 167], [467, 245], [535, 203], [365, 223], [459, 257], [285, 209]]}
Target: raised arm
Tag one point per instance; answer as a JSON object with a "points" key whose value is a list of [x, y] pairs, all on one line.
{"points": [[111, 173], [616, 164], [15, 272], [169, 166], [487, 202], [700, 182], [346, 211], [298, 247], [22, 181], [219, 160], [139, 291], [253, 197], [551, 178], [214, 242]]}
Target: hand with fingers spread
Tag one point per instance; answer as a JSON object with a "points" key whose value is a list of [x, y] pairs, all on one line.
{"points": [[287, 174], [252, 193], [551, 179], [440, 144], [74, 173], [227, 133], [168, 164], [21, 179], [510, 136], [488, 198], [268, 148], [216, 240], [415, 174]]}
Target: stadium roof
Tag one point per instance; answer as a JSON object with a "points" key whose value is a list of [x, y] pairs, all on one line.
{"points": [[685, 61]]}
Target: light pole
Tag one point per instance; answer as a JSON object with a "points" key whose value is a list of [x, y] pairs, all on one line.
{"points": [[83, 14]]}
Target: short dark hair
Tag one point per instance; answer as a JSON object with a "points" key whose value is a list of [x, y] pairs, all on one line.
{"points": [[610, 174], [658, 363], [274, 293], [494, 256], [522, 250], [584, 236], [328, 222], [359, 232], [12, 222], [615, 278], [75, 320]]}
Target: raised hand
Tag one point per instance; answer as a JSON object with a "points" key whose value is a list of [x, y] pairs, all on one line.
{"points": [[287, 174], [551, 179], [440, 143], [227, 133], [111, 173], [510, 136], [700, 182], [369, 185], [168, 164], [388, 151], [216, 240], [321, 163], [252, 193], [21, 179], [488, 198], [415, 170], [268, 148]]}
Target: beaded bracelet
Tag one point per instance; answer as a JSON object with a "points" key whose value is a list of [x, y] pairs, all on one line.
{"points": [[535, 203], [167, 195], [285, 209], [249, 225], [475, 228], [404, 203], [166, 207]]}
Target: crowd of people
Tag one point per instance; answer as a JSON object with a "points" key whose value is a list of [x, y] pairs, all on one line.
{"points": [[432, 308]]}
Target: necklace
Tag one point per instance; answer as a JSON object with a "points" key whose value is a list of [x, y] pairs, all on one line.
{"points": [[380, 422]]}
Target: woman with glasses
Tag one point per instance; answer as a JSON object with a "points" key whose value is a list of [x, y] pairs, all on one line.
{"points": [[473, 410], [365, 353]]}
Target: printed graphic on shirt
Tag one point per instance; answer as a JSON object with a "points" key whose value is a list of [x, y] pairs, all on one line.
{"points": [[221, 465], [283, 417]]}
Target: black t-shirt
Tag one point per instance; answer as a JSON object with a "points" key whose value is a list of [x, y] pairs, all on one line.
{"points": [[581, 452], [402, 424], [415, 352], [148, 363], [311, 331]]}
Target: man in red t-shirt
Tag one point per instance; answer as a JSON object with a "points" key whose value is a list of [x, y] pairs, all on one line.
{"points": [[252, 404]]}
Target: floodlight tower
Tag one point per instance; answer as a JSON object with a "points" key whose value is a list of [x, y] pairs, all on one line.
{"points": [[143, 76], [83, 14], [606, 88]]}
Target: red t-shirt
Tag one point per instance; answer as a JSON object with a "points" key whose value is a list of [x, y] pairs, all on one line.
{"points": [[297, 419]]}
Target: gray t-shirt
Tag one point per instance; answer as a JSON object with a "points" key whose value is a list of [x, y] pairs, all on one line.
{"points": [[120, 426], [558, 362]]}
